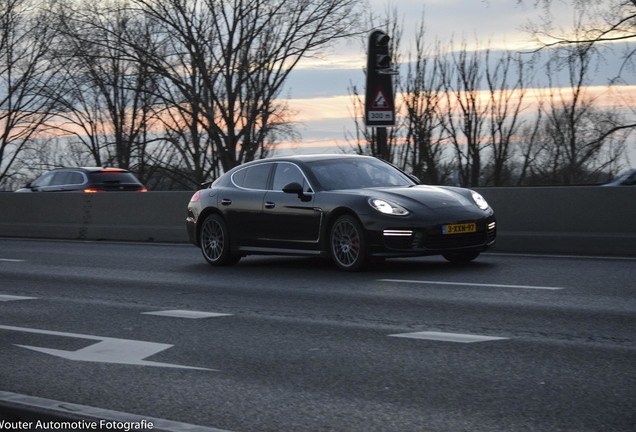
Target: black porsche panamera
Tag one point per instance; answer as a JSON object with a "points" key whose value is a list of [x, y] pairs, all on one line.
{"points": [[347, 207]]}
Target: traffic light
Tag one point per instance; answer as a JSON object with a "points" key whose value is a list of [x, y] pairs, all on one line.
{"points": [[379, 103], [382, 56]]}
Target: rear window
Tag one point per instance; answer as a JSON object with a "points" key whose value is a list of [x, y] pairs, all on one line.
{"points": [[113, 177]]}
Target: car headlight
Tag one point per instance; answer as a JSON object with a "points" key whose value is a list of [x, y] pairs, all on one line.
{"points": [[388, 207], [480, 201]]}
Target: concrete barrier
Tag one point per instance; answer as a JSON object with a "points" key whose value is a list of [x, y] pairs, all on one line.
{"points": [[127, 216], [563, 220]]}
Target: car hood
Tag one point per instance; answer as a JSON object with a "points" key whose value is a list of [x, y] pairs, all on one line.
{"points": [[432, 197]]}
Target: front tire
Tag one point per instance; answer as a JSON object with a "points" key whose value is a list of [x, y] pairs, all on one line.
{"points": [[214, 239], [347, 244]]}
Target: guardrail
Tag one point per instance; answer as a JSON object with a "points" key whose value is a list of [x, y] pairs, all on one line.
{"points": [[563, 220]]}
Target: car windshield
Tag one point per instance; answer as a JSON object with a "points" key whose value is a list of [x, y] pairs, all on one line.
{"points": [[357, 173]]}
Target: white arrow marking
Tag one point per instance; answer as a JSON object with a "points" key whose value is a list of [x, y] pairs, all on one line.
{"points": [[107, 350]]}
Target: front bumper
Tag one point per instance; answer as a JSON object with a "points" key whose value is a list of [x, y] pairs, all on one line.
{"points": [[430, 240]]}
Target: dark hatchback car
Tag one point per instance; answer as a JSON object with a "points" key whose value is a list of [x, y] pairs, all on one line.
{"points": [[349, 208], [86, 179]]}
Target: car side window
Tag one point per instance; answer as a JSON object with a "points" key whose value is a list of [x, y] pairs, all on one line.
{"points": [[44, 180], [287, 173], [60, 178], [66, 178], [238, 178], [75, 178], [254, 177]]}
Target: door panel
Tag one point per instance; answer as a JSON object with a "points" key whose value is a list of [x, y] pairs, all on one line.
{"points": [[291, 221]]}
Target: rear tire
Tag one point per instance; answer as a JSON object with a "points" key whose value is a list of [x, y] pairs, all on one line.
{"points": [[214, 239], [460, 257], [347, 245]]}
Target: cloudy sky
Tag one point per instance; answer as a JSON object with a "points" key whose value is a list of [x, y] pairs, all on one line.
{"points": [[318, 90]]}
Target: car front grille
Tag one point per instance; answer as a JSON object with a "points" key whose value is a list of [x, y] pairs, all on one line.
{"points": [[433, 239]]}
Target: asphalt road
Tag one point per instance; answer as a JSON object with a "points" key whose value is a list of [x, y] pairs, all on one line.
{"points": [[507, 343]]}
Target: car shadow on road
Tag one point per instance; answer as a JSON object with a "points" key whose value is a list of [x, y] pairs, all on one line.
{"points": [[273, 265]]}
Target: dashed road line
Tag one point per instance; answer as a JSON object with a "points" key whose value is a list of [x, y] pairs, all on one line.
{"points": [[483, 285], [186, 314], [7, 297], [448, 337]]}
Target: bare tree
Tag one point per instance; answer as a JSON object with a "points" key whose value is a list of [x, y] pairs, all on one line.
{"points": [[25, 37], [423, 98], [529, 148], [105, 101], [597, 23], [363, 138], [466, 111], [226, 62], [583, 139], [507, 91], [601, 21]]}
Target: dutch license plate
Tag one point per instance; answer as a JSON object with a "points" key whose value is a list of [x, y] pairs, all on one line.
{"points": [[459, 228]]}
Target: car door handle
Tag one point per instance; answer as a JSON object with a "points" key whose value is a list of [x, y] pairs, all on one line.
{"points": [[270, 205], [226, 201]]}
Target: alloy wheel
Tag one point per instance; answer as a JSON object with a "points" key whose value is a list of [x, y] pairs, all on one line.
{"points": [[347, 243], [212, 239]]}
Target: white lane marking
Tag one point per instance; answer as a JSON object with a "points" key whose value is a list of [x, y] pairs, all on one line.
{"points": [[562, 256], [448, 337], [471, 284], [186, 314], [14, 298], [11, 260], [107, 350], [110, 418]]}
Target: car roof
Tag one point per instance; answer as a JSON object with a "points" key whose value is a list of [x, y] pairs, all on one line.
{"points": [[92, 169], [310, 157]]}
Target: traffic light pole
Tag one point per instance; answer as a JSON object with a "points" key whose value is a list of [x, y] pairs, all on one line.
{"points": [[379, 101], [382, 143]]}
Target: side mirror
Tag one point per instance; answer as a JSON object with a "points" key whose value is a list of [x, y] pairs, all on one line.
{"points": [[296, 188]]}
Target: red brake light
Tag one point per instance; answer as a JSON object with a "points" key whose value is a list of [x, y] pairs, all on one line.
{"points": [[143, 189], [196, 196], [90, 190]]}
